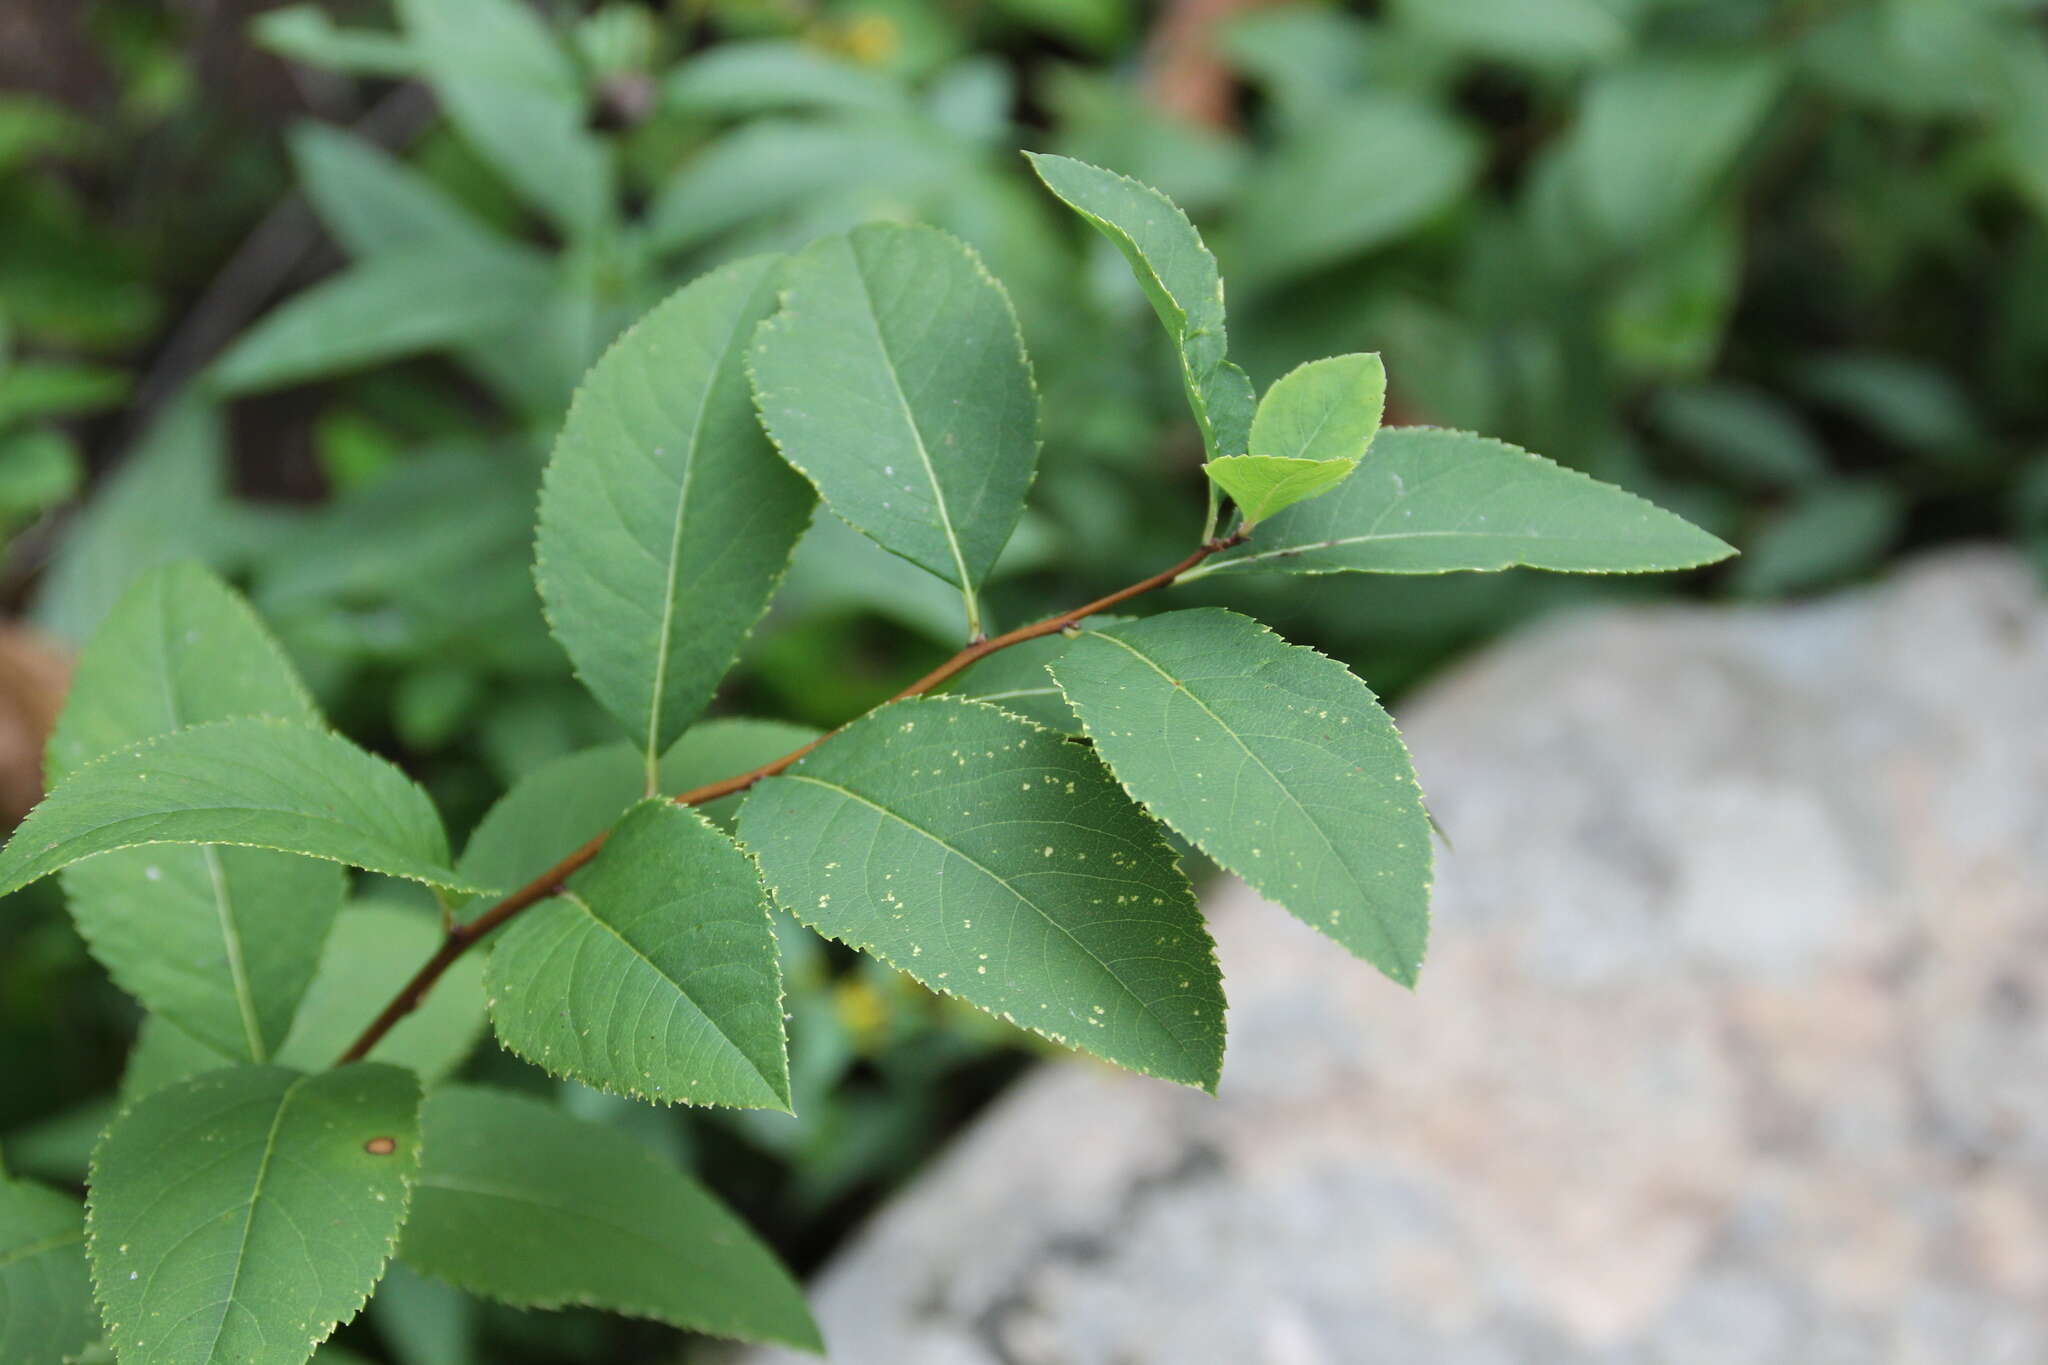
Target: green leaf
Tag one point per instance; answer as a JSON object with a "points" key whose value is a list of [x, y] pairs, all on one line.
{"points": [[374, 949], [375, 204], [389, 306], [46, 390], [221, 940], [240, 1215], [531, 1207], [46, 1308], [162, 503], [1364, 172], [38, 470], [1835, 531], [515, 95], [1309, 433], [1742, 433], [304, 33], [1178, 275], [653, 974], [666, 520], [895, 379], [737, 79], [1264, 484], [254, 782], [1272, 759], [1656, 134], [996, 861], [1557, 33], [1434, 501], [717, 749]]}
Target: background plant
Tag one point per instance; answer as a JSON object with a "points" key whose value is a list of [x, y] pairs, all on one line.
{"points": [[1530, 280]]}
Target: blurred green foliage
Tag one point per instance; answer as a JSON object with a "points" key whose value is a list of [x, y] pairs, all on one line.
{"points": [[1781, 265]]}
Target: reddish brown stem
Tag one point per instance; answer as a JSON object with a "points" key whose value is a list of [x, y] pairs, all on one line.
{"points": [[461, 936]]}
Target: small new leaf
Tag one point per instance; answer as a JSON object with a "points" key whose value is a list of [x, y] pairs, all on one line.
{"points": [[997, 861], [654, 973], [254, 782], [531, 1207], [1433, 501], [237, 1217], [1272, 759], [1264, 484]]}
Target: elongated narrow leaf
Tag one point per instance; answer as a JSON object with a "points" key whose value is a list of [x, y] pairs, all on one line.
{"points": [[256, 783], [654, 973], [238, 1216], [666, 519], [389, 306], [1433, 501], [1273, 760], [996, 861], [895, 379], [375, 948], [221, 940], [46, 1309], [515, 95], [1178, 274], [531, 1207]]}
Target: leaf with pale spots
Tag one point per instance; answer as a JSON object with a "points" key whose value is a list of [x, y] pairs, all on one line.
{"points": [[240, 1215], [654, 973], [895, 379], [666, 519], [1432, 501], [998, 861], [46, 1311], [1272, 759], [524, 1204], [224, 941]]}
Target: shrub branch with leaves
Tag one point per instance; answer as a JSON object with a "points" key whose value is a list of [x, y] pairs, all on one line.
{"points": [[248, 1198]]}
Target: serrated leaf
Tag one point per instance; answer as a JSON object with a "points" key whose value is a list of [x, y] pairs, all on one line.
{"points": [[1272, 759], [1328, 409], [389, 306], [1179, 276], [999, 862], [895, 379], [374, 949], [221, 940], [653, 974], [238, 1216], [526, 1205], [515, 95], [1264, 484], [46, 1308], [254, 782], [1434, 501], [666, 519]]}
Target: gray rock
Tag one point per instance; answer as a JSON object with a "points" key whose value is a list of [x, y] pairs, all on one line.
{"points": [[1732, 1048]]}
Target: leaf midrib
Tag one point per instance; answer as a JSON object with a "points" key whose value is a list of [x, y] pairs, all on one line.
{"points": [[284, 1102], [910, 419], [675, 549]]}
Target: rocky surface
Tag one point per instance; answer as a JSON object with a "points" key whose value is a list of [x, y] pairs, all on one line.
{"points": [[1732, 1047]]}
